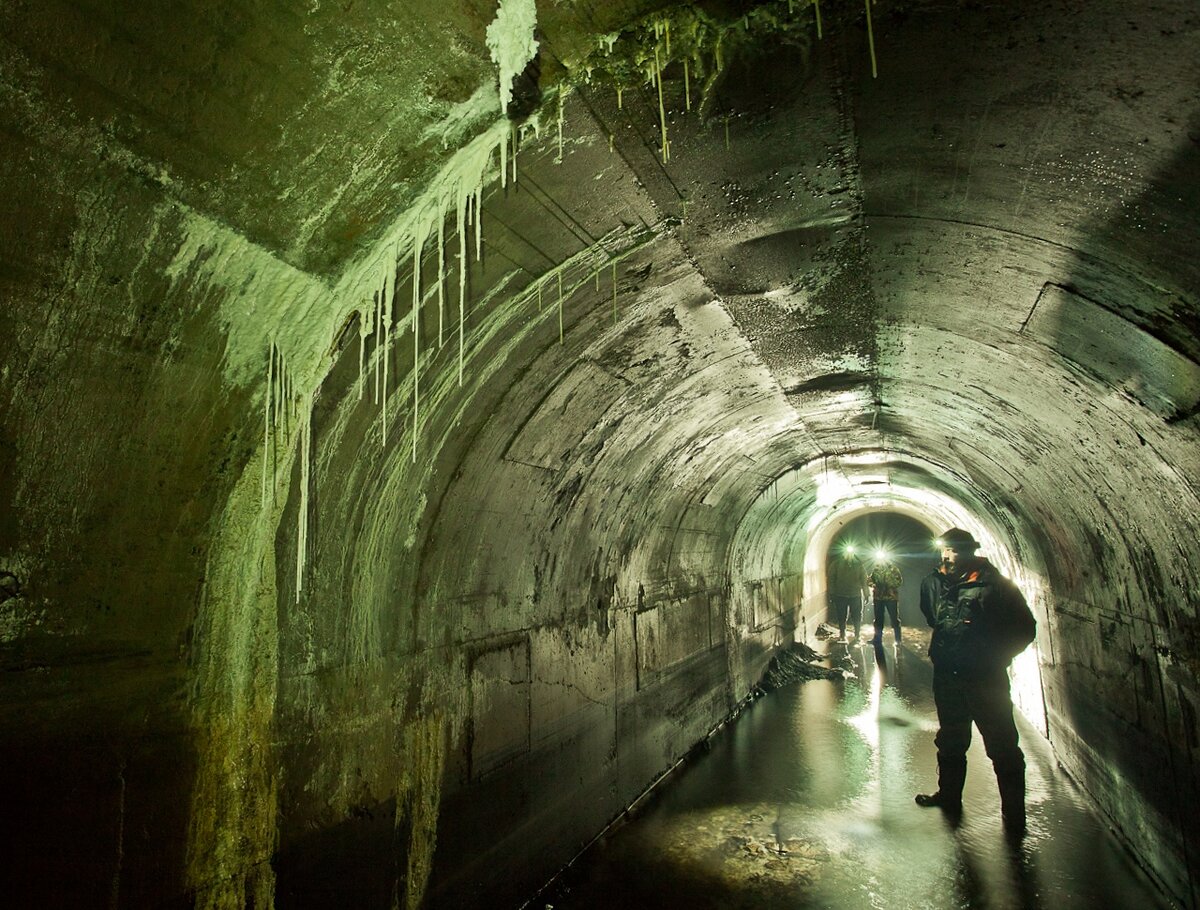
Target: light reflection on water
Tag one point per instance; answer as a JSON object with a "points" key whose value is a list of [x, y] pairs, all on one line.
{"points": [[807, 801]]}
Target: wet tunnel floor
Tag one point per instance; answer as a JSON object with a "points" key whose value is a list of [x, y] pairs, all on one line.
{"points": [[807, 801]]}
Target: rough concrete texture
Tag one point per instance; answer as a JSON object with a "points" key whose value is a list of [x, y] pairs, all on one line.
{"points": [[298, 617]]}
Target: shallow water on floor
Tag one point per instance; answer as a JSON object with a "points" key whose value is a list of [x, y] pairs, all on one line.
{"points": [[807, 801]]}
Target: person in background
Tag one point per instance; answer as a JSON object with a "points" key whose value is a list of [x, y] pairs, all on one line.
{"points": [[885, 581], [981, 623], [847, 590]]}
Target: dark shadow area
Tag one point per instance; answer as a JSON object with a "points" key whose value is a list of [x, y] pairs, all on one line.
{"points": [[119, 825], [1128, 316], [354, 864]]}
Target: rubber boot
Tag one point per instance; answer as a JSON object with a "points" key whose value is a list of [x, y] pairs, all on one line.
{"points": [[952, 775], [1012, 799]]}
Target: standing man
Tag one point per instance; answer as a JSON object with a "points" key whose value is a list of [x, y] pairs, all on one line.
{"points": [[847, 590], [982, 622], [885, 592]]}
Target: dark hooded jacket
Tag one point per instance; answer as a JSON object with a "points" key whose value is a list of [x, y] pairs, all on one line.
{"points": [[932, 586], [982, 623]]}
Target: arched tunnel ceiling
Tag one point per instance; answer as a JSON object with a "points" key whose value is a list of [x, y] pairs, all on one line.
{"points": [[986, 270], [908, 255], [973, 275], [979, 262]]}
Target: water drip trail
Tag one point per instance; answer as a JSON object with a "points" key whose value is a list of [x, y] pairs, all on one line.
{"points": [[441, 276], [267, 403], [276, 401], [416, 311], [503, 160]]}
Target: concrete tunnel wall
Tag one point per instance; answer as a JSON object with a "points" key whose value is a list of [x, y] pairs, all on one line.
{"points": [[257, 654], [554, 590]]}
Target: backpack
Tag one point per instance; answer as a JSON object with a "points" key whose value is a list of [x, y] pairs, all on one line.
{"points": [[1012, 622]]}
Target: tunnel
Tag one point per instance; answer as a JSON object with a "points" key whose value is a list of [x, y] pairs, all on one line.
{"points": [[424, 422]]}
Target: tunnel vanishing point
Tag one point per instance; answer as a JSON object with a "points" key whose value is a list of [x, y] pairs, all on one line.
{"points": [[423, 421]]}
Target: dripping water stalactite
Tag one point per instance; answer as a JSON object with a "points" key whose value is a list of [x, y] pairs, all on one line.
{"points": [[276, 420], [870, 40], [305, 445], [268, 401], [463, 205], [561, 101], [388, 299], [362, 355], [662, 111], [378, 327], [441, 279], [479, 221]]}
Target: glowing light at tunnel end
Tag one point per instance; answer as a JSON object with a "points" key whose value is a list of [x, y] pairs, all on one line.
{"points": [[838, 500]]}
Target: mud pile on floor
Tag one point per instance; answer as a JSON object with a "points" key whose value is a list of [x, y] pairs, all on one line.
{"points": [[825, 632], [796, 664], [751, 851]]}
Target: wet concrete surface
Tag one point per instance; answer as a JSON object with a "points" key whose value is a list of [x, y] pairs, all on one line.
{"points": [[807, 801]]}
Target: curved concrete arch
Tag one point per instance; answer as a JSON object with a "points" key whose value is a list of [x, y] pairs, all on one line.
{"points": [[261, 627]]}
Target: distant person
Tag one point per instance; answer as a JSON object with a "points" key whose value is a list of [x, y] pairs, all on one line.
{"points": [[981, 623], [885, 581], [847, 591]]}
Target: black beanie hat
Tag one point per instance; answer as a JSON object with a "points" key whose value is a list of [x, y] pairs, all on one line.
{"points": [[958, 539]]}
